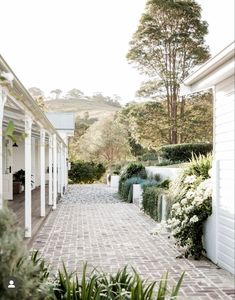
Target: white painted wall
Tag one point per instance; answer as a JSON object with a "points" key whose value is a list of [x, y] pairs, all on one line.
{"points": [[137, 195], [18, 157], [115, 181], [224, 158], [165, 173]]}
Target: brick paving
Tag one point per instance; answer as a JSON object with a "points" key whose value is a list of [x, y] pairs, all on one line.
{"points": [[92, 225]]}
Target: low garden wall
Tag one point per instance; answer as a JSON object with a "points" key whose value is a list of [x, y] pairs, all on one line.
{"points": [[165, 173], [114, 182]]}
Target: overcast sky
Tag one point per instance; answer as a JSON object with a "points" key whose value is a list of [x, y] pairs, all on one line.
{"points": [[83, 43]]}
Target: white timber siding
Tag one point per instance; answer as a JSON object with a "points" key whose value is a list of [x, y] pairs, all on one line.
{"points": [[219, 230], [224, 156]]}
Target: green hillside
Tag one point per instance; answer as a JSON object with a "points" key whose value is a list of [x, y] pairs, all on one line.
{"points": [[96, 109]]}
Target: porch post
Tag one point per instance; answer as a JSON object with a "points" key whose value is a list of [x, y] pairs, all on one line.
{"points": [[66, 167], [3, 98], [59, 173], [28, 172], [54, 171], [42, 173], [61, 169], [50, 171]]}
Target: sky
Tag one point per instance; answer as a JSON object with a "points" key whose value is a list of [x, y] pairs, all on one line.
{"points": [[83, 43]]}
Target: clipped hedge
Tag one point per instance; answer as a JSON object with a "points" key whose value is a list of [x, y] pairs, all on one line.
{"points": [[151, 155], [86, 172], [183, 152], [134, 170], [150, 201]]}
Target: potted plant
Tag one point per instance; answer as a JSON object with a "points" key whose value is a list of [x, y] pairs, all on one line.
{"points": [[19, 181]]}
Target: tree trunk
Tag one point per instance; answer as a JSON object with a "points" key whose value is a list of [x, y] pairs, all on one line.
{"points": [[182, 105]]}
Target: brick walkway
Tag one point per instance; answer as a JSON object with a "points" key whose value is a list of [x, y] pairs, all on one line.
{"points": [[90, 224]]}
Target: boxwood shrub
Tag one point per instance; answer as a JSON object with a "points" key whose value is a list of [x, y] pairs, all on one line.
{"points": [[134, 170], [183, 152], [86, 172]]}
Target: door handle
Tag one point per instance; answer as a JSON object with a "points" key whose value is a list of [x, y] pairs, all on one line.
{"points": [[9, 168]]}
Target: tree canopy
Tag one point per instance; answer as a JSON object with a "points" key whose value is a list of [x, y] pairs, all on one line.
{"points": [[105, 141], [148, 126], [169, 42]]}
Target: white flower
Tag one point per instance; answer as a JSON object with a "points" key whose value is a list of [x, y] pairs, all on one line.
{"points": [[179, 211], [175, 206], [194, 219], [210, 172], [204, 189], [188, 208], [189, 194], [169, 221], [184, 201], [175, 231], [184, 221], [190, 179], [176, 222], [198, 200]]}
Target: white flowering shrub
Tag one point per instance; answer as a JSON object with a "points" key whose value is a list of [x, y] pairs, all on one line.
{"points": [[192, 208]]}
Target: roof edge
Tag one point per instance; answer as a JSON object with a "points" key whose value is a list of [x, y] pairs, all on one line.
{"points": [[212, 64]]}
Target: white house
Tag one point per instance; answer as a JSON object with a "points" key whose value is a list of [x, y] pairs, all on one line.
{"points": [[218, 74], [42, 149]]}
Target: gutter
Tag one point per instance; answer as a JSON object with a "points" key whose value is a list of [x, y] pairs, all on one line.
{"points": [[215, 62]]}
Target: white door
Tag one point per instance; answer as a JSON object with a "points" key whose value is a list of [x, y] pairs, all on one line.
{"points": [[7, 170]]}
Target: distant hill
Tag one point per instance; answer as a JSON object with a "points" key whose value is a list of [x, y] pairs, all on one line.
{"points": [[96, 109]]}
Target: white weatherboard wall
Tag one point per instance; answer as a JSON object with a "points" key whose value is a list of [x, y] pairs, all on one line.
{"points": [[224, 158], [218, 73]]}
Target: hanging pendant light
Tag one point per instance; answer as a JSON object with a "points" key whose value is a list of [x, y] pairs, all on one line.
{"points": [[15, 145]]}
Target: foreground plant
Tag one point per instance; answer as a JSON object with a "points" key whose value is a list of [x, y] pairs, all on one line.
{"points": [[15, 261], [193, 205], [120, 286]]}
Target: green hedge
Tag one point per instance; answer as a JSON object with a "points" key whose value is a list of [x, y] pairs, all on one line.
{"points": [[126, 187], [150, 201], [151, 155], [134, 170], [86, 172], [183, 152]]}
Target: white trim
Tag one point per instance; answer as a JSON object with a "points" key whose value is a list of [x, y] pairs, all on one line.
{"points": [[28, 172], [54, 171], [50, 187], [212, 64], [2, 103], [42, 173], [61, 169]]}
